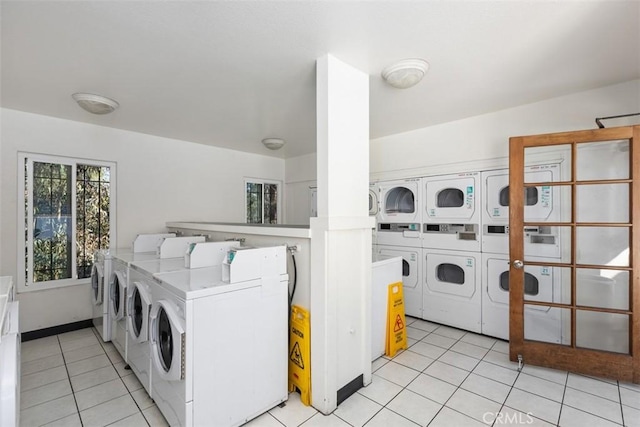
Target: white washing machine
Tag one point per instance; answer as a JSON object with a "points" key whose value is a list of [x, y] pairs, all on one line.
{"points": [[542, 204], [232, 334], [120, 260], [100, 274], [452, 288], [138, 304], [411, 275], [9, 361], [451, 217], [542, 284], [166, 248], [399, 215]]}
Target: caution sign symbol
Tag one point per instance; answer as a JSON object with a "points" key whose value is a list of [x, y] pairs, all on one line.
{"points": [[399, 324], [296, 356]]}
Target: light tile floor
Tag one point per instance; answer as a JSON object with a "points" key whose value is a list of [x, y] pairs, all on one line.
{"points": [[75, 379], [447, 377]]}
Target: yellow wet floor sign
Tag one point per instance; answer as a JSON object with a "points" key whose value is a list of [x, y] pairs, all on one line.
{"points": [[300, 354], [396, 331]]}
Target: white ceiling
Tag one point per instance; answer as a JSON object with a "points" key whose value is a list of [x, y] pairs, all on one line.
{"points": [[230, 73]]}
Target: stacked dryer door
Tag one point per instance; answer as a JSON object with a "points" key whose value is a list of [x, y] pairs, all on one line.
{"points": [[451, 250], [411, 275], [399, 213], [374, 208], [398, 234], [541, 244]]}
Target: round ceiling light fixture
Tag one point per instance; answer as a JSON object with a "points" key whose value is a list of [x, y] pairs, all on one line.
{"points": [[95, 104], [273, 143], [406, 73]]}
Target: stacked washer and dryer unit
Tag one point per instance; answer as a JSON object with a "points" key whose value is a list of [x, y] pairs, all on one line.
{"points": [[451, 250], [398, 224], [452, 232], [541, 283]]}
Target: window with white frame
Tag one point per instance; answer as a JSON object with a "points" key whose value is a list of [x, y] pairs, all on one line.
{"points": [[68, 213], [262, 201]]}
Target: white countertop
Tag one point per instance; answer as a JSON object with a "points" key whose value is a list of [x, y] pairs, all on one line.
{"points": [[301, 231]]}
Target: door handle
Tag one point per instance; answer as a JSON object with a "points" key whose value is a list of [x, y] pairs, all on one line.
{"points": [[518, 264]]}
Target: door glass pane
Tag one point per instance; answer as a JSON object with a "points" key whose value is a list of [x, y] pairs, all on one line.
{"points": [[602, 203], [137, 312], [541, 157], [450, 273], [602, 246], [547, 242], [115, 294], [547, 324], [399, 200], [165, 339], [547, 283], [602, 331], [450, 198], [602, 160], [552, 203], [602, 288]]}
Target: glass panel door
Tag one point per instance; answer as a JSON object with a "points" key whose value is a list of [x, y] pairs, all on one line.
{"points": [[593, 301]]}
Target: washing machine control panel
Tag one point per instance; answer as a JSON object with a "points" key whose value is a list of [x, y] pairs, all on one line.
{"points": [[464, 231], [398, 227]]}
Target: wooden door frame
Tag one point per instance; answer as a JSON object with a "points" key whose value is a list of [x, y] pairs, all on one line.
{"points": [[624, 367]]}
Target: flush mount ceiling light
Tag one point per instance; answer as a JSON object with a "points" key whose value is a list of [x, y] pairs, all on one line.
{"points": [[406, 73], [95, 104], [273, 143]]}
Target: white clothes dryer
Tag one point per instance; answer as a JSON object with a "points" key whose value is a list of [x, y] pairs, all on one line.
{"points": [[100, 275], [399, 216], [541, 283], [452, 288], [374, 203], [542, 204], [201, 324], [411, 275], [451, 217]]}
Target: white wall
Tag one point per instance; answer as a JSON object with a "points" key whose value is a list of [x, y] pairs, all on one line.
{"points": [[159, 180], [301, 173], [483, 141]]}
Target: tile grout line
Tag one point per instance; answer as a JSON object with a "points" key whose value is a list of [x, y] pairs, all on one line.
{"points": [[73, 393]]}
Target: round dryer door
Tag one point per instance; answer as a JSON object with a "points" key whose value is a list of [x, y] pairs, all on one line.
{"points": [[97, 282], [167, 341], [117, 295], [373, 203], [138, 310]]}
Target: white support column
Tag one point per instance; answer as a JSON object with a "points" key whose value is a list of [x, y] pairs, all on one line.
{"points": [[341, 235]]}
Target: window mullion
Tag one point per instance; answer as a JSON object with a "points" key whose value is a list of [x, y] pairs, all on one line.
{"points": [[29, 278]]}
